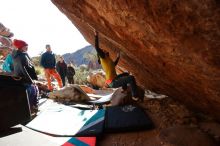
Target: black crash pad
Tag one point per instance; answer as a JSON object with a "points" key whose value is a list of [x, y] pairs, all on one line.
{"points": [[126, 118]]}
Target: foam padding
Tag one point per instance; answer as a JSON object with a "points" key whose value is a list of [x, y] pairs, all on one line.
{"points": [[60, 120], [126, 118], [81, 141]]}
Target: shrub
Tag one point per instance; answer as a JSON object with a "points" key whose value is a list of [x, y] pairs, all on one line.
{"points": [[81, 75], [39, 70]]}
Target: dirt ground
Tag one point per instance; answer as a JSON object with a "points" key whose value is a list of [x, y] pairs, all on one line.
{"points": [[175, 125]]}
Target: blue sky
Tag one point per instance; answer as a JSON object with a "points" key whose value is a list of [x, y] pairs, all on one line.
{"points": [[39, 22]]}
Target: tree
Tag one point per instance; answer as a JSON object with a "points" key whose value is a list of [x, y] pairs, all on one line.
{"points": [[92, 58]]}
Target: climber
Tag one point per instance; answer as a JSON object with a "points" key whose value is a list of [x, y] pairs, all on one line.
{"points": [[112, 79]]}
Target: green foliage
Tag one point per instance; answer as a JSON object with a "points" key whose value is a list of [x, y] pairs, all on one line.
{"points": [[36, 60], [39, 70], [93, 60], [81, 74], [92, 56]]}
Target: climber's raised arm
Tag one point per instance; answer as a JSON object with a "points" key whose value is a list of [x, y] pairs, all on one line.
{"points": [[99, 51]]}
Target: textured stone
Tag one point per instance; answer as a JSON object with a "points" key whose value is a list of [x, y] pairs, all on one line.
{"points": [[4, 31], [185, 136], [69, 93], [171, 47], [96, 79]]}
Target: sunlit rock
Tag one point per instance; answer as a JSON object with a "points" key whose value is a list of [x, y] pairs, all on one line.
{"points": [[171, 47], [97, 79], [69, 93]]}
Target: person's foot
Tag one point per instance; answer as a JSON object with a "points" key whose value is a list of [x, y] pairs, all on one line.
{"points": [[34, 110], [135, 98]]}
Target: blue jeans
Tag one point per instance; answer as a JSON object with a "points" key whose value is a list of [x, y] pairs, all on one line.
{"points": [[32, 91]]}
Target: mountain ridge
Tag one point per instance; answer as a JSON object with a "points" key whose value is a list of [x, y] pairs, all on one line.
{"points": [[78, 57]]}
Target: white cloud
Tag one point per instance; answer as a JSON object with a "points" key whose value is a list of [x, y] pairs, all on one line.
{"points": [[39, 22]]}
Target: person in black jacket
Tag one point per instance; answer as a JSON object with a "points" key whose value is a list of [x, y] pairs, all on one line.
{"points": [[24, 68], [70, 74], [61, 68]]}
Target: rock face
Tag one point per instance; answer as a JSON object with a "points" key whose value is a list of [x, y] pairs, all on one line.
{"points": [[179, 135], [171, 47], [4, 31]]}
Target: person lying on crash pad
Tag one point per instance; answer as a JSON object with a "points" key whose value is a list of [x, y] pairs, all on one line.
{"points": [[112, 79]]}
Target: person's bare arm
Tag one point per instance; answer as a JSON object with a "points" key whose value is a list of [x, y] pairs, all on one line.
{"points": [[98, 50], [118, 57]]}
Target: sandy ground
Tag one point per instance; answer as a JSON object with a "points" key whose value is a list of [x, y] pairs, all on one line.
{"points": [[175, 125]]}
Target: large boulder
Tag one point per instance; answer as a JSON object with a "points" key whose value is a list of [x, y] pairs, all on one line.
{"points": [[96, 79], [4, 31], [171, 47], [71, 93], [5, 41]]}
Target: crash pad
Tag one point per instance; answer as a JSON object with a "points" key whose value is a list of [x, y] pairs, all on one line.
{"points": [[61, 120], [23, 136], [126, 118], [81, 141]]}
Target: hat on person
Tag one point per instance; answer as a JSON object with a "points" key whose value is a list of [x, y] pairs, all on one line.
{"points": [[19, 44]]}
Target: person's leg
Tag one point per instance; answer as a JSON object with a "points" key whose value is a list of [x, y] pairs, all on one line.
{"points": [[124, 87], [29, 93], [122, 75], [72, 80], [63, 80], [69, 80], [35, 94], [57, 77], [48, 77], [123, 81], [32, 92]]}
